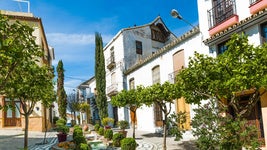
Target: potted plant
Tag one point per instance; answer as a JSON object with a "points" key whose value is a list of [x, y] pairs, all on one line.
{"points": [[108, 134], [62, 130], [123, 124], [128, 144], [106, 122], [117, 137]]}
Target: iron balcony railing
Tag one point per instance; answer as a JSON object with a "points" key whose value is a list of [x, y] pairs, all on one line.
{"points": [[172, 76], [221, 12], [111, 62], [252, 2], [112, 89]]}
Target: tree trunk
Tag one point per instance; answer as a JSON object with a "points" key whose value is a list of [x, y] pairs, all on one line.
{"points": [[26, 131], [74, 117], [165, 130], [134, 123], [44, 141]]}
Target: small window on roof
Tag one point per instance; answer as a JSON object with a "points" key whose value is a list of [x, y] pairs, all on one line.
{"points": [[139, 48]]}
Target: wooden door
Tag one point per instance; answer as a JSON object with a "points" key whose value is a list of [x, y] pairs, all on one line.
{"points": [[255, 117], [12, 115]]}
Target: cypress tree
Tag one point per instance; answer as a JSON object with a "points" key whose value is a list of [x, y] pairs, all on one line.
{"points": [[61, 94], [100, 76]]}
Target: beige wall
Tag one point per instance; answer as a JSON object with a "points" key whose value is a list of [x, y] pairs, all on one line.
{"points": [[264, 115]]}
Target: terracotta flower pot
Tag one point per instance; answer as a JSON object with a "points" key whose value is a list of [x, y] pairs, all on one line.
{"points": [[124, 133], [62, 137]]}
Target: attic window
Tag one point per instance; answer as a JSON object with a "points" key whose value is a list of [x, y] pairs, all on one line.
{"points": [[139, 48], [162, 29], [159, 33]]}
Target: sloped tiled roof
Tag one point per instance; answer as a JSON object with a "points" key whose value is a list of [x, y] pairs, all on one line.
{"points": [[164, 49]]}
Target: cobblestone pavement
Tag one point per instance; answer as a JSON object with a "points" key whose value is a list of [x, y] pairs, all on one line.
{"points": [[13, 139]]}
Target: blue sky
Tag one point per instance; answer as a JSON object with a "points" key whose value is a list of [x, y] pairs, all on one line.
{"points": [[70, 26]]}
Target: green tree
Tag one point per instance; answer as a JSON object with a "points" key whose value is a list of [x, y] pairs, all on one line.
{"points": [[241, 69], [20, 77], [17, 45], [61, 94], [31, 84], [73, 105], [100, 77], [131, 99], [162, 95]]}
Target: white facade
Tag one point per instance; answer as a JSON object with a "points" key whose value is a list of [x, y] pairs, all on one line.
{"points": [[129, 65], [121, 54], [189, 43], [249, 17]]}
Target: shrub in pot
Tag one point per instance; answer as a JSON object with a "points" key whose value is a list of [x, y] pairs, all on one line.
{"points": [[62, 130], [108, 134], [77, 131], [106, 122], [96, 127], [84, 146], [123, 124], [78, 137], [117, 137], [128, 144], [101, 131]]}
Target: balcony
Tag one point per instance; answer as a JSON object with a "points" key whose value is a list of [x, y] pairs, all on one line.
{"points": [[222, 16], [172, 76], [112, 90], [257, 5], [111, 62]]}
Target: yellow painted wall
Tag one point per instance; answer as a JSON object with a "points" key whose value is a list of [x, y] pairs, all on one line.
{"points": [[182, 106], [264, 115]]}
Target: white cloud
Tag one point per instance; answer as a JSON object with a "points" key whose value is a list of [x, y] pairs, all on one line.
{"points": [[74, 39]]}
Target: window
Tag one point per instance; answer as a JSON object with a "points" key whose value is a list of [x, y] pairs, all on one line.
{"points": [[158, 115], [156, 75], [222, 47], [264, 32], [139, 48], [158, 118], [131, 83], [113, 78], [221, 11], [112, 58], [159, 33]]}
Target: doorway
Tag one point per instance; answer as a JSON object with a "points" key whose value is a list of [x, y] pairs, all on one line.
{"points": [[12, 115]]}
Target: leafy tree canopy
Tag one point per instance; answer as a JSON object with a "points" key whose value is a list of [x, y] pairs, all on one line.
{"points": [[17, 45], [128, 98], [161, 93], [240, 68]]}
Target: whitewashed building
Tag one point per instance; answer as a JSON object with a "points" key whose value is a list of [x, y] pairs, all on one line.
{"points": [[219, 19], [127, 48], [144, 55]]}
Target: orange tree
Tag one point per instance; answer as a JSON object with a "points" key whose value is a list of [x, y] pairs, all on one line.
{"points": [[240, 70], [20, 77], [31, 84], [131, 99], [17, 45], [163, 95]]}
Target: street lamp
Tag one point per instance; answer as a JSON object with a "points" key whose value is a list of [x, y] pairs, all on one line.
{"points": [[175, 14]]}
